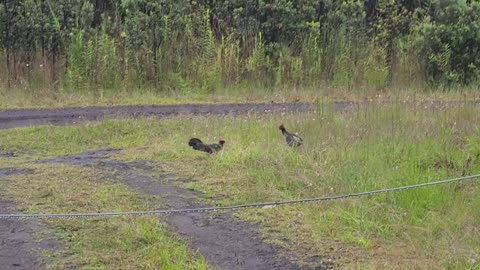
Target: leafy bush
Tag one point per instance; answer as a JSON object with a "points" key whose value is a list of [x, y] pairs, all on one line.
{"points": [[450, 42], [132, 44]]}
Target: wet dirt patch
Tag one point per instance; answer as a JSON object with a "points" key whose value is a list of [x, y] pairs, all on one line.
{"points": [[72, 115], [13, 171], [65, 116], [18, 247], [225, 242], [85, 158]]}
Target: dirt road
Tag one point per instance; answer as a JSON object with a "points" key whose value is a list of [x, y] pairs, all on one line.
{"points": [[64, 116], [225, 242]]}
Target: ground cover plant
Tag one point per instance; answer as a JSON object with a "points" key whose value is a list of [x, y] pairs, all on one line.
{"points": [[370, 147]]}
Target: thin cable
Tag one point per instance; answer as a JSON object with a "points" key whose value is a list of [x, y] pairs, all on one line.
{"points": [[233, 207]]}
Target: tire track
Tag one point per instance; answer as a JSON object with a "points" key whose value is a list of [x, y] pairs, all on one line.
{"points": [[225, 242]]}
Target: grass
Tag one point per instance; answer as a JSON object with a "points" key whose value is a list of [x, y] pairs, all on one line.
{"points": [[97, 243], [370, 148], [49, 98], [39, 98]]}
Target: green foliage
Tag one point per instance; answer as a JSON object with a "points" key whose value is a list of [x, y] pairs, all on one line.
{"points": [[450, 42], [312, 55], [206, 46], [258, 64], [81, 67], [376, 70]]}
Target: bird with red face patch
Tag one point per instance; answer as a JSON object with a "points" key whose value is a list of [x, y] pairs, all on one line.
{"points": [[293, 140]]}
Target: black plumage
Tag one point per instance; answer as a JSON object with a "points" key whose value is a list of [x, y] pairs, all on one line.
{"points": [[293, 140], [197, 144]]}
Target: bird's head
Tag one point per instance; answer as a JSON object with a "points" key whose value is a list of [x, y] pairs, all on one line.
{"points": [[221, 142], [281, 127]]}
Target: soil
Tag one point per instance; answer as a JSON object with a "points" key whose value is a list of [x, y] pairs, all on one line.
{"points": [[18, 248], [64, 116], [225, 242], [71, 115]]}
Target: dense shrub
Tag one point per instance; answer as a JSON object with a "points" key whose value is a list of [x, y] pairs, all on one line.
{"points": [[189, 46], [450, 42]]}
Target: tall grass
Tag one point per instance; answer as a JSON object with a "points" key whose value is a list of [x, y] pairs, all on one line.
{"points": [[146, 52]]}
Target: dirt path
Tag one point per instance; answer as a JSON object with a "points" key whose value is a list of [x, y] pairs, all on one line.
{"points": [[225, 242], [18, 249], [64, 116]]}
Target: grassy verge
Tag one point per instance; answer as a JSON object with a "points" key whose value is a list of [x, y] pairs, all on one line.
{"points": [[48, 98], [371, 148], [54, 99]]}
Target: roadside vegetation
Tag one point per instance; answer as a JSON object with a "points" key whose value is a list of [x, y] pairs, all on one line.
{"points": [[77, 52], [372, 147]]}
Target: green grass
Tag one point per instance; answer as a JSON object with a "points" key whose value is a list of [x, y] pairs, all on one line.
{"points": [[375, 147], [51, 98], [39, 98], [97, 243]]}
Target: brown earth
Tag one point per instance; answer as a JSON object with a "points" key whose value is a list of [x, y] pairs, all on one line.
{"points": [[64, 116], [225, 242], [18, 248]]}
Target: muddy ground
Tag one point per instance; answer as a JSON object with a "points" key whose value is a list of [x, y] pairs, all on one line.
{"points": [[18, 248], [64, 116], [225, 242]]}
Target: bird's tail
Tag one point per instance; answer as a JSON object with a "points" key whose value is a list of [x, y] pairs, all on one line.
{"points": [[194, 141], [196, 144]]}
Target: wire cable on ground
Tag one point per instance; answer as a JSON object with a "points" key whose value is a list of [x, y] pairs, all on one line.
{"points": [[233, 207]]}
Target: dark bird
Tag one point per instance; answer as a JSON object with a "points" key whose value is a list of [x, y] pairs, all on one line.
{"points": [[292, 139], [197, 144]]}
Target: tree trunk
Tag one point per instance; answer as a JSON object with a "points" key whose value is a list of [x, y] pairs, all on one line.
{"points": [[370, 13], [7, 47], [101, 7], [54, 63], [7, 55], [390, 59], [155, 56]]}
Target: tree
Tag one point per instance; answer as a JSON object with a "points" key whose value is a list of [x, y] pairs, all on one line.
{"points": [[449, 42]]}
